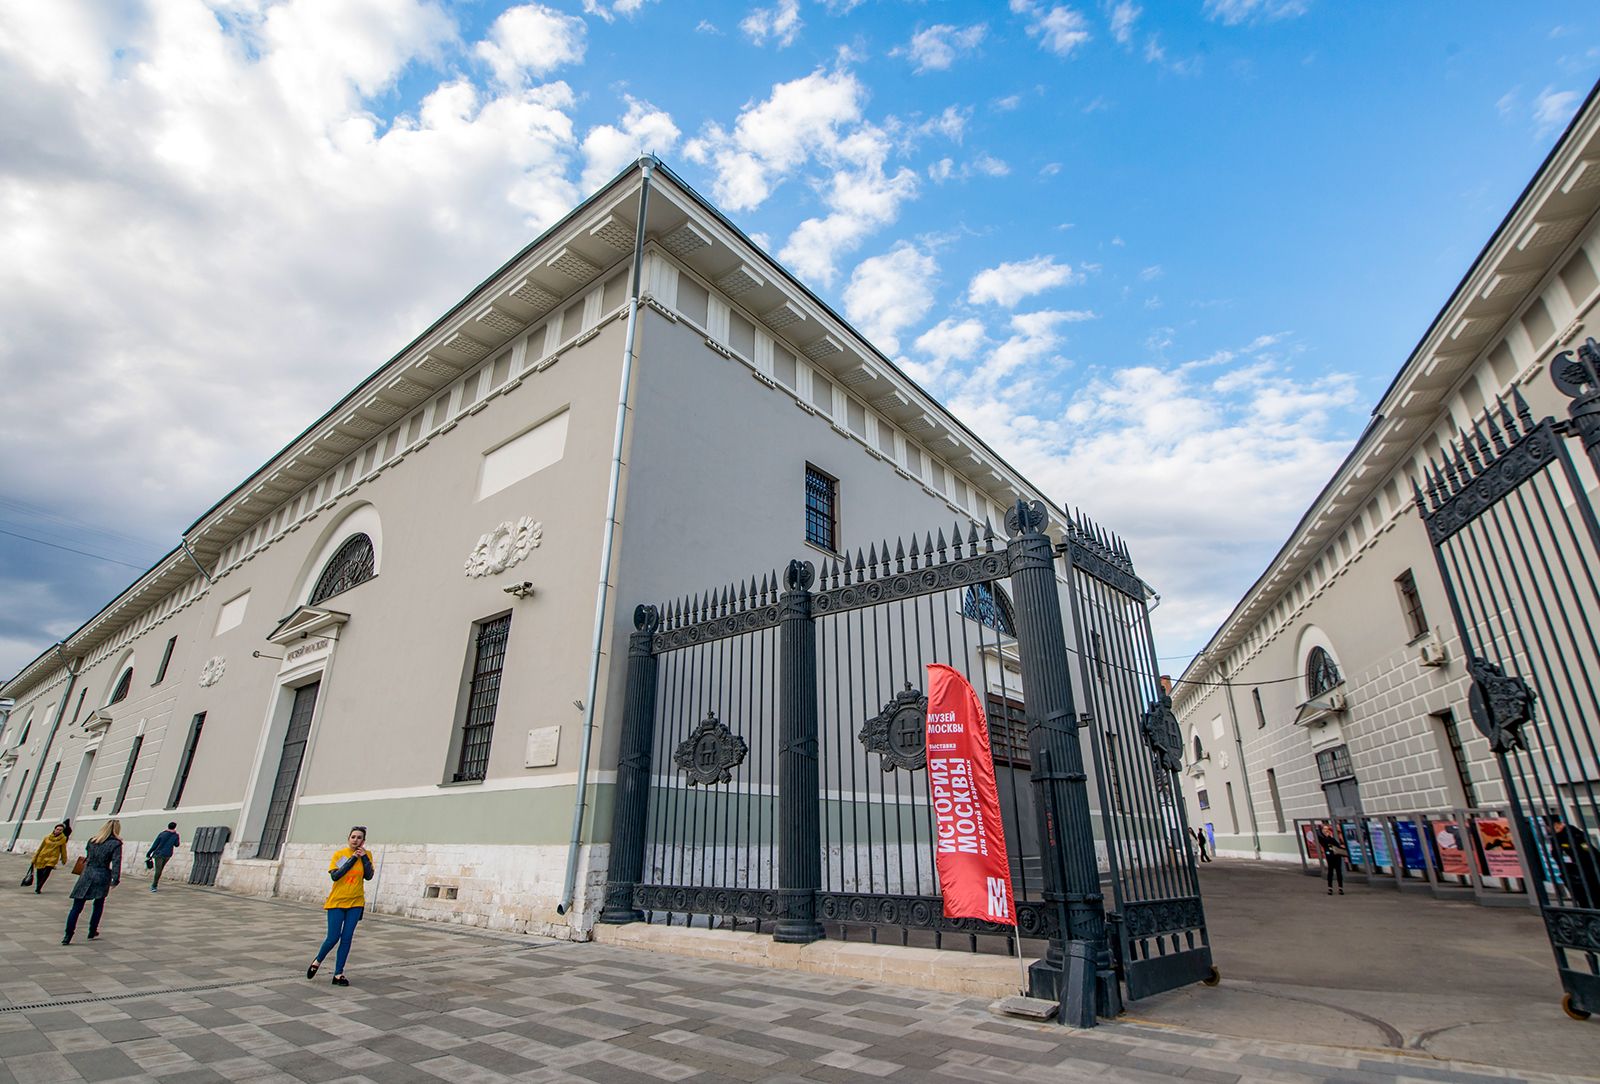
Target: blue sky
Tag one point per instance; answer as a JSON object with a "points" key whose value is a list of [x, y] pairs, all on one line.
{"points": [[1165, 257]]}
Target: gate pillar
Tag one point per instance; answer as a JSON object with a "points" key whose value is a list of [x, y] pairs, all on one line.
{"points": [[1061, 793], [628, 822], [799, 795]]}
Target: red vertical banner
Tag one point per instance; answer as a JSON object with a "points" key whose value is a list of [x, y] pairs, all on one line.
{"points": [[970, 850]]}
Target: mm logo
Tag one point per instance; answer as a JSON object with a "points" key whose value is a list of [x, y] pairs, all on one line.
{"points": [[997, 897]]}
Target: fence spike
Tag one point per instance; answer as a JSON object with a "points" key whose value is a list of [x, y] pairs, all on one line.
{"points": [[1523, 413], [872, 560], [988, 535], [885, 556], [1494, 430], [944, 557], [899, 554], [1472, 453], [955, 539], [1507, 420], [860, 566], [914, 553], [1483, 443], [972, 538], [1461, 462]]}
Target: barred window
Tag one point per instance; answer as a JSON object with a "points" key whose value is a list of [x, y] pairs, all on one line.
{"points": [[124, 684], [988, 605], [350, 566], [1322, 673], [483, 699], [1334, 764], [1008, 732], [822, 509]]}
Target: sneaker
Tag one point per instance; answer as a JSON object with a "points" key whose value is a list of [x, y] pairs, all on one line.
{"points": [[67, 940], [93, 934], [340, 980], [152, 888]]}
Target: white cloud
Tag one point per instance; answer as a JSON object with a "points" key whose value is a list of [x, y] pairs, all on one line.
{"points": [[1150, 274], [620, 7], [1011, 282], [1059, 29], [937, 47], [1123, 15], [607, 149], [816, 117], [780, 22], [1006, 105], [950, 340], [255, 239], [1552, 109], [952, 124], [1233, 12], [889, 293], [991, 166], [706, 27], [530, 41]]}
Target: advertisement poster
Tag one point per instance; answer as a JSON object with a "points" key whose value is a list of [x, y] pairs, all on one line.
{"points": [[1410, 844], [1499, 851], [1452, 855], [1313, 848], [974, 876], [1352, 842], [1380, 843]]}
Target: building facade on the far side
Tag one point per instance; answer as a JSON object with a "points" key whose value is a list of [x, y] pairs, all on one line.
{"points": [[391, 622], [1337, 687]]}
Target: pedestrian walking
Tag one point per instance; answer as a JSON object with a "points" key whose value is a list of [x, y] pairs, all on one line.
{"points": [[1334, 853], [51, 852], [102, 871], [1579, 869], [1200, 841], [160, 852], [347, 901]]}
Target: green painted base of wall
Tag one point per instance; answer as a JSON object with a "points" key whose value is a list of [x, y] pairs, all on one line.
{"points": [[464, 815]]}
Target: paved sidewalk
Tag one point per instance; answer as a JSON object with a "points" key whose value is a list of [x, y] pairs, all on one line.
{"points": [[190, 986]]}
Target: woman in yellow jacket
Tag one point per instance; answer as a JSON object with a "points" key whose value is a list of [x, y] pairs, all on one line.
{"points": [[350, 867], [52, 852]]}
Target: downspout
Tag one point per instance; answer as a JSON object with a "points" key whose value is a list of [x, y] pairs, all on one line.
{"points": [[184, 542], [44, 755], [580, 805], [1244, 772]]}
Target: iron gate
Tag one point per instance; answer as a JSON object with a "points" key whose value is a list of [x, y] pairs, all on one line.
{"points": [[772, 767], [1514, 533], [1158, 924]]}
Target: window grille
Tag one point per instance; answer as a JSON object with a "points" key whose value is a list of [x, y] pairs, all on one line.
{"points": [[1199, 750], [127, 774], [989, 605], [1322, 674], [822, 503], [483, 699], [166, 657], [189, 747], [350, 566], [1411, 602], [1334, 764], [1008, 732], [124, 684], [1452, 736]]}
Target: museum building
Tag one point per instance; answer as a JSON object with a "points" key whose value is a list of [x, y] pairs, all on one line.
{"points": [[392, 622], [1337, 686]]}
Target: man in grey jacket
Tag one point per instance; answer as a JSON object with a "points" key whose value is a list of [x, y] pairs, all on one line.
{"points": [[160, 852]]}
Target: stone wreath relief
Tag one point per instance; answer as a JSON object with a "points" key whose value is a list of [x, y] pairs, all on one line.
{"points": [[504, 546]]}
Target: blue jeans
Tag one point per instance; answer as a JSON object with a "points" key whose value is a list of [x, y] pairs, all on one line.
{"points": [[341, 929], [94, 915]]}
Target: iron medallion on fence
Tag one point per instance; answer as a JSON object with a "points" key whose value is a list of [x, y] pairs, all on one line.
{"points": [[1161, 731], [899, 732], [1500, 704], [709, 755]]}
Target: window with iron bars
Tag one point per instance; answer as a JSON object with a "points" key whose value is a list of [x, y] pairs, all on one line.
{"points": [[1322, 673], [1008, 732], [1411, 603], [1334, 764], [482, 699], [822, 509]]}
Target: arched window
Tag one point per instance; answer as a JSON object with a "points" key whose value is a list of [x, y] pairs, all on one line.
{"points": [[124, 684], [1199, 750], [1322, 674], [987, 604], [352, 564]]}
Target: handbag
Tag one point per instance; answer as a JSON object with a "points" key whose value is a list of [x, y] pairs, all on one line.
{"points": [[27, 878], [77, 867], [149, 863]]}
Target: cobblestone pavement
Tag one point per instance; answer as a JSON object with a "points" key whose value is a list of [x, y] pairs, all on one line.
{"points": [[192, 986]]}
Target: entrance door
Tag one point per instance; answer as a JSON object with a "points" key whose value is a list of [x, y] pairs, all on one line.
{"points": [[79, 785], [294, 751]]}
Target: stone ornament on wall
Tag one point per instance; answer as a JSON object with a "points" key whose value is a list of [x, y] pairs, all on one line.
{"points": [[212, 671], [504, 546]]}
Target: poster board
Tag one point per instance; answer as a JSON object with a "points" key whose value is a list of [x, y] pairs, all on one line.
{"points": [[1380, 844], [1410, 845], [1452, 848], [1352, 842], [1313, 849], [1499, 848]]}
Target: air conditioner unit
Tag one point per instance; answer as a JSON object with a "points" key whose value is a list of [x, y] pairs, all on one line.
{"points": [[1433, 653], [1339, 701]]}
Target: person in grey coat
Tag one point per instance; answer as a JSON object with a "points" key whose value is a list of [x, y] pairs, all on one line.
{"points": [[102, 871]]}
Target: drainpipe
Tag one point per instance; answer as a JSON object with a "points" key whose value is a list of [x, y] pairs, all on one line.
{"points": [[44, 755], [580, 805], [1244, 772], [184, 542]]}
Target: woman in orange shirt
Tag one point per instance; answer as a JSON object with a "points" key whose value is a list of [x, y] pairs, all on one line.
{"points": [[346, 902]]}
